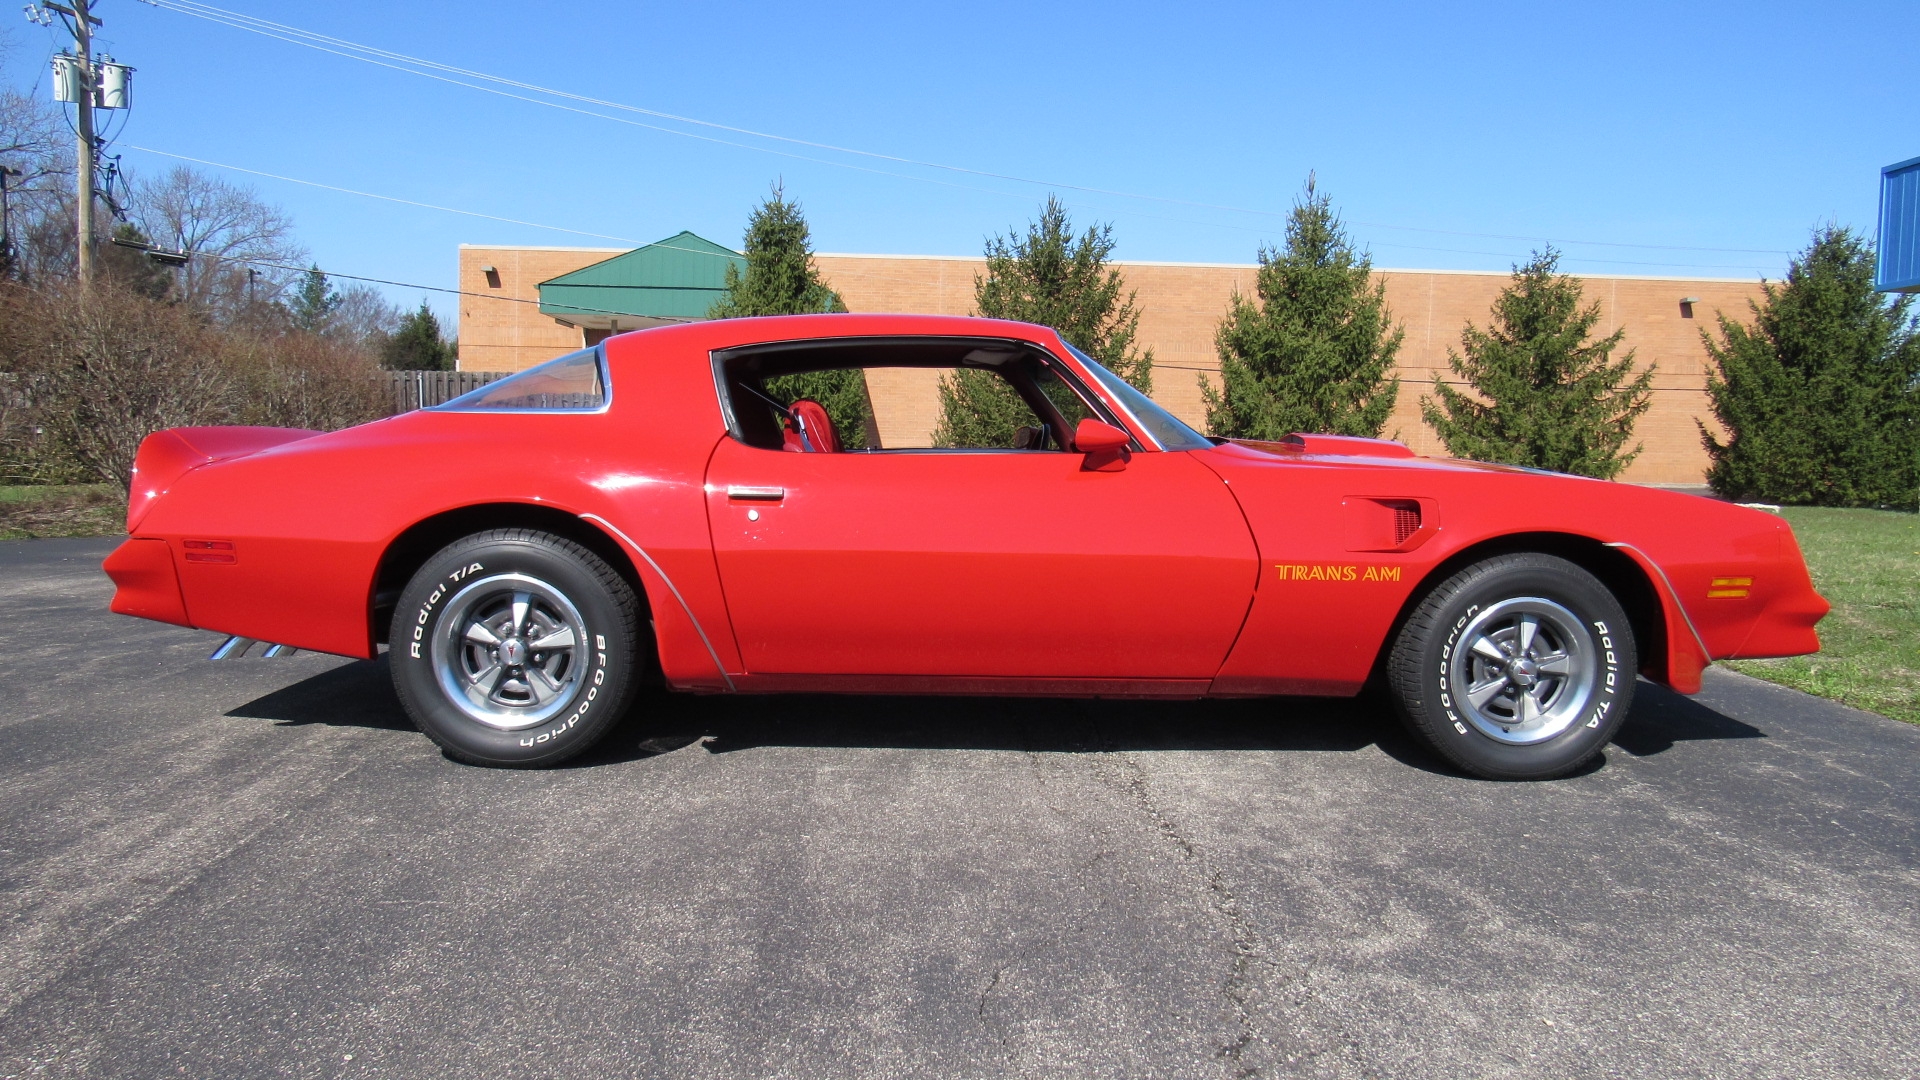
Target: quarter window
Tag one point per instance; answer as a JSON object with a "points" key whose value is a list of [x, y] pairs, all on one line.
{"points": [[572, 383]]}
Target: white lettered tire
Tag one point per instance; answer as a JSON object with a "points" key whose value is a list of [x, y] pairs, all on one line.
{"points": [[1520, 667], [515, 648]]}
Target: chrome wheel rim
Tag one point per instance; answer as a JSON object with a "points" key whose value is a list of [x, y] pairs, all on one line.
{"points": [[509, 650], [1523, 669]]}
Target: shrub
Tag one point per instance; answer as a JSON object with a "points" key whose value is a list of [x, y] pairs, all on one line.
{"points": [[1552, 396], [1820, 396], [1313, 349], [1054, 278], [781, 279], [95, 371]]}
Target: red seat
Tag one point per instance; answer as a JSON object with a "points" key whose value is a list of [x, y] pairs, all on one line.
{"points": [[810, 429]]}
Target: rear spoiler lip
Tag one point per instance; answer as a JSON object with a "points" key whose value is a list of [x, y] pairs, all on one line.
{"points": [[169, 454]]}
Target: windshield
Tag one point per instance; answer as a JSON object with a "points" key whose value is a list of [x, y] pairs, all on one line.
{"points": [[1166, 428]]}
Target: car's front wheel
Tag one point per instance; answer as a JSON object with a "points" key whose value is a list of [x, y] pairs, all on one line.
{"points": [[1520, 667], [515, 648]]}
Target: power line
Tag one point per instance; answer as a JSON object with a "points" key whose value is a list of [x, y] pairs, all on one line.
{"points": [[696, 251], [381, 57], [469, 213], [388, 198], [169, 5], [429, 288], [1157, 365]]}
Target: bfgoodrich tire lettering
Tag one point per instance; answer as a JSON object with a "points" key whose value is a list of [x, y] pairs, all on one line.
{"points": [[1517, 668], [515, 648]]}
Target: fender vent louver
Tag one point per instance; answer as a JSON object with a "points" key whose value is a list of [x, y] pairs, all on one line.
{"points": [[1376, 523], [1406, 521]]}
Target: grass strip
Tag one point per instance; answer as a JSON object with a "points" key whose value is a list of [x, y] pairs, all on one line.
{"points": [[1867, 563], [41, 511]]}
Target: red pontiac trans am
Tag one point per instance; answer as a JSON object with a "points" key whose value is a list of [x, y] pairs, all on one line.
{"points": [[656, 507]]}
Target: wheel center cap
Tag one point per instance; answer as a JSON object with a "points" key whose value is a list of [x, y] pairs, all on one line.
{"points": [[513, 651], [1522, 671]]}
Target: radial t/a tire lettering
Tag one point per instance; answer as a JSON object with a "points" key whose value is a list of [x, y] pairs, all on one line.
{"points": [[515, 648], [1520, 667]]}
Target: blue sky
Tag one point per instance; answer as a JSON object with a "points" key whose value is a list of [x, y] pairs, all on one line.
{"points": [[1700, 139]]}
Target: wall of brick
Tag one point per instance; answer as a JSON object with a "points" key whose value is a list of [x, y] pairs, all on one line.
{"points": [[1180, 304], [501, 328]]}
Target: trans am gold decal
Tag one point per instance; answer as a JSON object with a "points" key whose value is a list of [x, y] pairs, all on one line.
{"points": [[1336, 572]]}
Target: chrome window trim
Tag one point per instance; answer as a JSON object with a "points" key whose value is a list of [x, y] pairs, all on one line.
{"points": [[1140, 432], [717, 360], [1142, 428], [1066, 371], [606, 392]]}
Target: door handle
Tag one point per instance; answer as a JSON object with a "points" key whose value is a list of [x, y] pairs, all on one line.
{"points": [[753, 493]]}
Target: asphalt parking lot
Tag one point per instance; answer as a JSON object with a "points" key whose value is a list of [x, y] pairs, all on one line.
{"points": [[256, 868]]}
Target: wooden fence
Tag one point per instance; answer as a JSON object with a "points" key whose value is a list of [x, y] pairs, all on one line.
{"points": [[419, 389], [410, 389]]}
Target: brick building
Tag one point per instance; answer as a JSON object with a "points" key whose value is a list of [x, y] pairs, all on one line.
{"points": [[591, 292]]}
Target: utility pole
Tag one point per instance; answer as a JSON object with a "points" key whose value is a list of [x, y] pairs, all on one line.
{"points": [[77, 79], [83, 24], [7, 172]]}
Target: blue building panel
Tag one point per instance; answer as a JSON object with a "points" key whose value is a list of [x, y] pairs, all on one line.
{"points": [[1900, 227]]}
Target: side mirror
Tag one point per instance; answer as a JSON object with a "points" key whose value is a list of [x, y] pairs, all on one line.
{"points": [[1106, 446]]}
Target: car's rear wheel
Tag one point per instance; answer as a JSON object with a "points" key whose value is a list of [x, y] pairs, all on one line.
{"points": [[515, 648], [1517, 668]]}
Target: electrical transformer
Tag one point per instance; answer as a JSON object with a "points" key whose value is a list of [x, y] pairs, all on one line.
{"points": [[68, 78], [115, 85]]}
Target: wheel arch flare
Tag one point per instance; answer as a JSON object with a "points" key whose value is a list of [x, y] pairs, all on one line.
{"points": [[685, 652], [1646, 610]]}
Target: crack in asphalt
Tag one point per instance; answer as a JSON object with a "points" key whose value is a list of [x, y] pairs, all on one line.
{"points": [[1252, 958], [997, 1031]]}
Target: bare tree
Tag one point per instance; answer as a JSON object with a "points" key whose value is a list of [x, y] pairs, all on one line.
{"points": [[86, 375], [37, 149], [102, 371], [229, 231], [364, 315]]}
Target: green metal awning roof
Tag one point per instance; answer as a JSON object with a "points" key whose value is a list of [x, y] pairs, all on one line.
{"points": [[674, 279]]}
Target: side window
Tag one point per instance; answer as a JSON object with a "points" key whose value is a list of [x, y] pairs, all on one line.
{"points": [[982, 409], [842, 392], [574, 382], [886, 395]]}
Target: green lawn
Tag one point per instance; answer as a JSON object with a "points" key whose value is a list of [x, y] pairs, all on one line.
{"points": [[1867, 563], [62, 510]]}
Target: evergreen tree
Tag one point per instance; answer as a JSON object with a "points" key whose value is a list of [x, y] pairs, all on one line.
{"points": [[1313, 349], [131, 268], [1053, 278], [781, 279], [417, 345], [314, 303], [1820, 396], [1551, 398]]}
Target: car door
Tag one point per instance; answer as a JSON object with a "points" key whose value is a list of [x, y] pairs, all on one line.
{"points": [[1015, 564]]}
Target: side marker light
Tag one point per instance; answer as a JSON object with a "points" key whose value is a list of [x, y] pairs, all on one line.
{"points": [[1728, 588], [210, 551]]}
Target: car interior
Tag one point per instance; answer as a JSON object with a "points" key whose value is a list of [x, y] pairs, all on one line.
{"points": [[997, 395]]}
